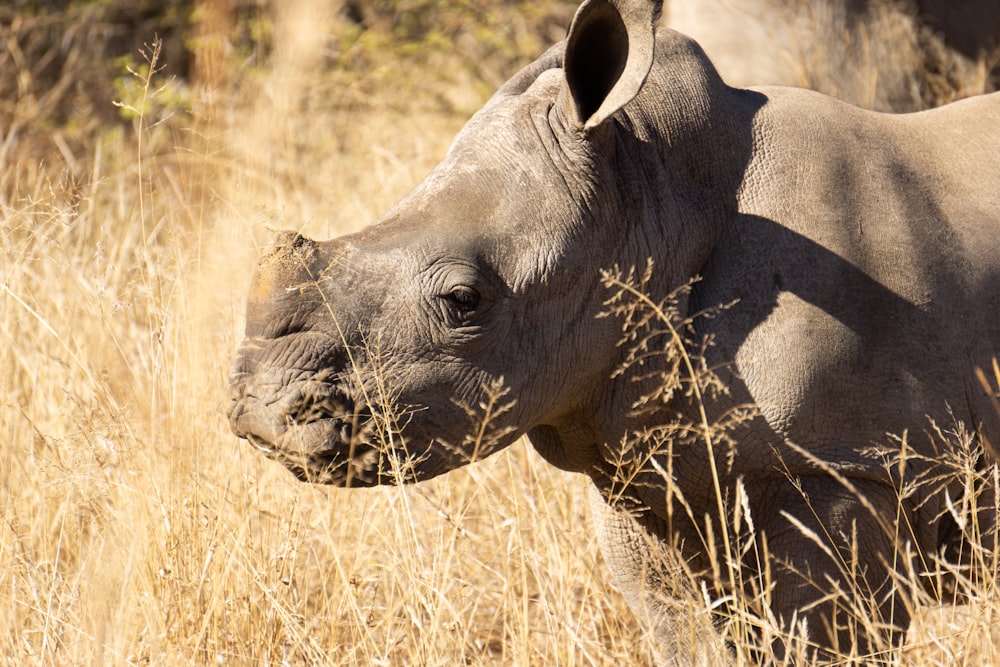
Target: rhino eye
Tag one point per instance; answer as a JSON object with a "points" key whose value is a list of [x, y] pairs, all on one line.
{"points": [[463, 298]]}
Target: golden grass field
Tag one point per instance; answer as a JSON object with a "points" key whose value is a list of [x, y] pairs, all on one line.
{"points": [[137, 530]]}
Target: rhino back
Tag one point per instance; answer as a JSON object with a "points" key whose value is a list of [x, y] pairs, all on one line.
{"points": [[864, 260]]}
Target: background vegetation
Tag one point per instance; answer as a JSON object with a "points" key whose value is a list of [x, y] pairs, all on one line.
{"points": [[147, 149]]}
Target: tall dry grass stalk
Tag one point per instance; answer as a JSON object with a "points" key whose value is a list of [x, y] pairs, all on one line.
{"points": [[135, 529]]}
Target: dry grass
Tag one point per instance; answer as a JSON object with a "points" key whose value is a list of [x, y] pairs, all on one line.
{"points": [[136, 529]]}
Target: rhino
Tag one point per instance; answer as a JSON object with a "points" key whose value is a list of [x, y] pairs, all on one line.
{"points": [[835, 270]]}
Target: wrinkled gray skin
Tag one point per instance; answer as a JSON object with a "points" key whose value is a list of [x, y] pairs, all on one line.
{"points": [[862, 250], [888, 55]]}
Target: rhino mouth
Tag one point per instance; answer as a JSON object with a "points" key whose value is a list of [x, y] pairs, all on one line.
{"points": [[323, 452], [322, 437]]}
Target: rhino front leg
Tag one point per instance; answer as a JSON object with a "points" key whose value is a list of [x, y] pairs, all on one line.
{"points": [[832, 554], [658, 590]]}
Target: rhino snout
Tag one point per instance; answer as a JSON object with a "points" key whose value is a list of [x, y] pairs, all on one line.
{"points": [[309, 402], [311, 426], [258, 427]]}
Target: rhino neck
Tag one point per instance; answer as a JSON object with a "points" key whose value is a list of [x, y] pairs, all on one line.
{"points": [[572, 448], [677, 159], [686, 141]]}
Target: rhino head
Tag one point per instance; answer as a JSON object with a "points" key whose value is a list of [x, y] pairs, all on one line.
{"points": [[468, 316]]}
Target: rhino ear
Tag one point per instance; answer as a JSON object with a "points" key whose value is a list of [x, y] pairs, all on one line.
{"points": [[609, 51]]}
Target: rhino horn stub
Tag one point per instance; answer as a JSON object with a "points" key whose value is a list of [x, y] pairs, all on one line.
{"points": [[281, 285], [287, 263], [609, 52]]}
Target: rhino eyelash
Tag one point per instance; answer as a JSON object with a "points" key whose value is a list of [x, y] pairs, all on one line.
{"points": [[464, 299]]}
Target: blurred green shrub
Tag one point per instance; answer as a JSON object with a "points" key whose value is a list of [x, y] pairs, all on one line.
{"points": [[64, 63]]}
